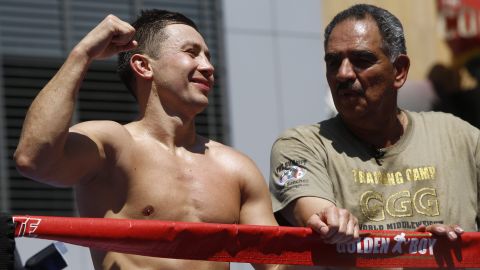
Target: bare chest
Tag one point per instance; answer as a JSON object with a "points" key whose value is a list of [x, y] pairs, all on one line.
{"points": [[148, 185]]}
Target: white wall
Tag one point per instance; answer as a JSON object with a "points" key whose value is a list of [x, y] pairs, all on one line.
{"points": [[275, 70]]}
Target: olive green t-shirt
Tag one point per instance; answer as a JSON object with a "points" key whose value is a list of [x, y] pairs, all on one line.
{"points": [[431, 175]]}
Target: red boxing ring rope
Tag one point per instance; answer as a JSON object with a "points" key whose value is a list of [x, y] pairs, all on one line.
{"points": [[253, 243]]}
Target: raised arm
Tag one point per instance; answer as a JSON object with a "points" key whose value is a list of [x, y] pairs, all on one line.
{"points": [[48, 151]]}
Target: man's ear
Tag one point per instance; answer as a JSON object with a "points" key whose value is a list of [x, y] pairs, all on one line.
{"points": [[140, 65], [401, 66]]}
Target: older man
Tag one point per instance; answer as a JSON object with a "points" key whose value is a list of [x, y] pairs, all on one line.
{"points": [[390, 168]]}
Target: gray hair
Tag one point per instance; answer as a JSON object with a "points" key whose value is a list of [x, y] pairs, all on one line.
{"points": [[390, 27]]}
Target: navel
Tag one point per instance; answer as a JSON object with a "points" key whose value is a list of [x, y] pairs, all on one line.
{"points": [[148, 210]]}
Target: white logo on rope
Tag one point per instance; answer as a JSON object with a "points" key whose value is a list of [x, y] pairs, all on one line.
{"points": [[28, 225]]}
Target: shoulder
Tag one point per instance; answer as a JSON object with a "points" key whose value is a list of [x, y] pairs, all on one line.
{"points": [[444, 126], [236, 165], [311, 136], [313, 131], [300, 131], [440, 120], [227, 155], [302, 134], [433, 116]]}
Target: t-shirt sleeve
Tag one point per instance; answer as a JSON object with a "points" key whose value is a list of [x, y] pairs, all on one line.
{"points": [[298, 170]]}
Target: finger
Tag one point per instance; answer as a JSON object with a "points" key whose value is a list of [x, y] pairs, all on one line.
{"points": [[353, 228], [437, 229], [331, 218], [356, 233], [123, 36], [421, 228], [450, 231], [350, 228], [351, 231], [111, 36], [345, 227], [451, 234], [315, 222], [343, 221], [131, 45], [453, 231], [122, 32], [458, 229]]}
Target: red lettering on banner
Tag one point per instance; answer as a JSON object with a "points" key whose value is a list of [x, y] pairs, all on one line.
{"points": [[463, 24], [459, 21]]}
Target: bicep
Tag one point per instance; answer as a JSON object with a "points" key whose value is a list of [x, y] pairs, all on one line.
{"points": [[85, 152], [82, 157]]}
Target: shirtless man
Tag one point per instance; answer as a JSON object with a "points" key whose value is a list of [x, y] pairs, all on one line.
{"points": [[156, 167]]}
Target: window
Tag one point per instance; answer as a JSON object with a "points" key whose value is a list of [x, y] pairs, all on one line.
{"points": [[35, 38]]}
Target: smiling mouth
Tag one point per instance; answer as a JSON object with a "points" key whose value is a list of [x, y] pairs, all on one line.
{"points": [[204, 84]]}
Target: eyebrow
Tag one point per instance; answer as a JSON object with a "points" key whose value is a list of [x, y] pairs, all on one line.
{"points": [[366, 54], [331, 56]]}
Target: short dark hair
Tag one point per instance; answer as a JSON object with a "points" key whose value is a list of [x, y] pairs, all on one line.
{"points": [[149, 27], [389, 26]]}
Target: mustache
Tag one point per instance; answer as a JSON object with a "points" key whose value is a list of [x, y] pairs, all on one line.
{"points": [[349, 85]]}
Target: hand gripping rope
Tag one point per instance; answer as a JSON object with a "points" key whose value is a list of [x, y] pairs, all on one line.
{"points": [[252, 243]]}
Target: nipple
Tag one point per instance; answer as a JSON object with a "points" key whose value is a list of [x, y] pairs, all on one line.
{"points": [[148, 210]]}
